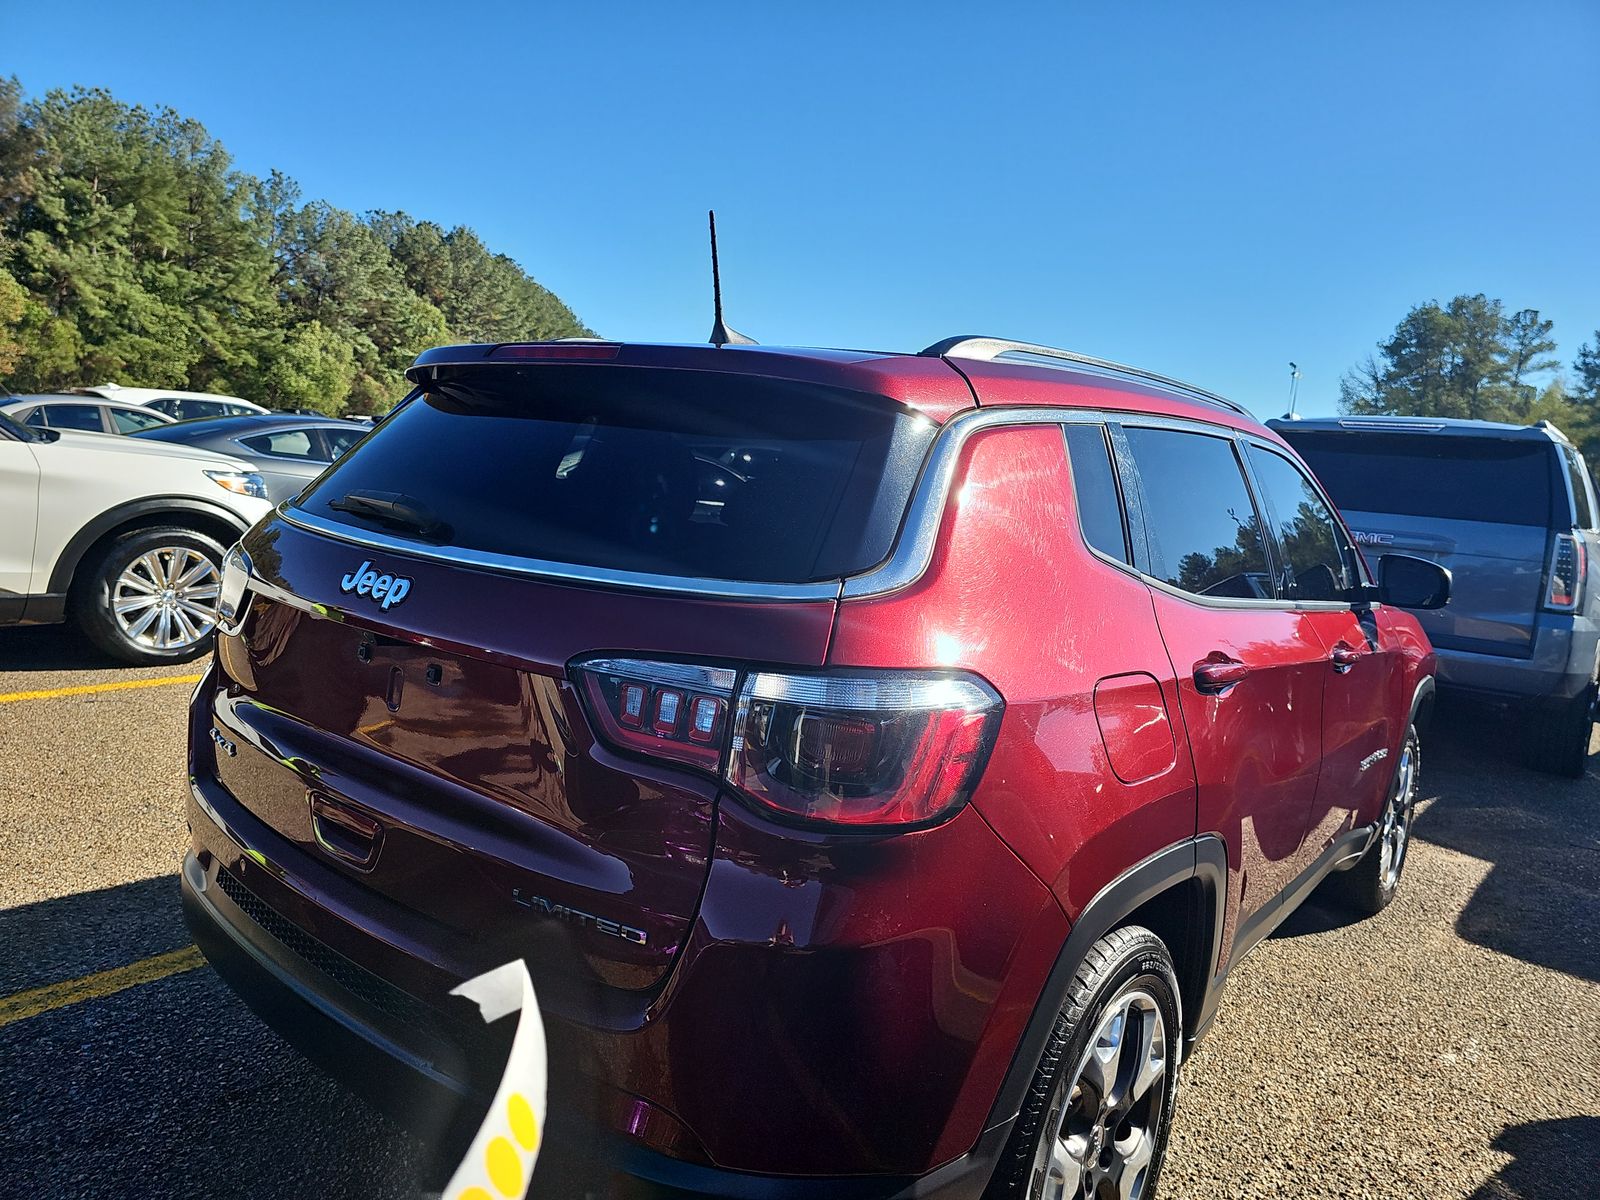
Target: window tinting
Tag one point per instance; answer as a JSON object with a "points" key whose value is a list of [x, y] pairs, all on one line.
{"points": [[340, 440], [1583, 510], [74, 416], [1094, 482], [1204, 536], [36, 418], [128, 421], [1311, 559], [687, 473], [1442, 476], [285, 443]]}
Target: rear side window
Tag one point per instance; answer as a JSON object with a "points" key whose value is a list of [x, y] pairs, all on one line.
{"points": [[1204, 535], [1094, 482], [285, 443], [1440, 476], [1312, 562], [1582, 505], [128, 420], [85, 417], [683, 473]]}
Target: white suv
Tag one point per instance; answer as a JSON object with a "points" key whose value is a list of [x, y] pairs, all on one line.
{"points": [[180, 406], [124, 536]]}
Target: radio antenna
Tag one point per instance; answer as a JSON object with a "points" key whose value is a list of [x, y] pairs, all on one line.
{"points": [[721, 333]]}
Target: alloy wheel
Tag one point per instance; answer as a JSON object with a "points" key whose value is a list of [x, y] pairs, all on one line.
{"points": [[1394, 836], [1102, 1123], [166, 598]]}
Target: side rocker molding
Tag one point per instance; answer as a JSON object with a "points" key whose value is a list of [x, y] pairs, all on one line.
{"points": [[177, 506], [1202, 860]]}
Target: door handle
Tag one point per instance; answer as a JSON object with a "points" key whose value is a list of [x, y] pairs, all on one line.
{"points": [[1343, 658], [1218, 673]]}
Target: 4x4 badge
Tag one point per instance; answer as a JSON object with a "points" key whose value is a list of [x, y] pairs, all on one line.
{"points": [[387, 590]]}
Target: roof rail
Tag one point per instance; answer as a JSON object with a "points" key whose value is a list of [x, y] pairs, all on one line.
{"points": [[988, 349]]}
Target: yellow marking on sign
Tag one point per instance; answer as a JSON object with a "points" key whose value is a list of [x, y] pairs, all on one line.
{"points": [[91, 689], [21, 1005]]}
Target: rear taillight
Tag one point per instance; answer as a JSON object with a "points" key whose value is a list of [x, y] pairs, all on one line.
{"points": [[1569, 560], [677, 711], [864, 750]]}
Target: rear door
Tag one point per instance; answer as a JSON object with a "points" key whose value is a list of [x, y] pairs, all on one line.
{"points": [[1250, 667], [1363, 680], [1480, 505]]}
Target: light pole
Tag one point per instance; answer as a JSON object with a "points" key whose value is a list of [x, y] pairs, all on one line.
{"points": [[1294, 389]]}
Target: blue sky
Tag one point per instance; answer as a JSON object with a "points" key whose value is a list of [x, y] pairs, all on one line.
{"points": [[1206, 190]]}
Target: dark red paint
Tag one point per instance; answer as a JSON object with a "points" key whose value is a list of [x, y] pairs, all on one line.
{"points": [[784, 1000]]}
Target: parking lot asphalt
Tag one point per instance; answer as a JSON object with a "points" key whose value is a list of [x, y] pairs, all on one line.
{"points": [[1449, 1047]]}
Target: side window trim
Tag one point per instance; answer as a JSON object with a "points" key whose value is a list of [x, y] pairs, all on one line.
{"points": [[1132, 490]]}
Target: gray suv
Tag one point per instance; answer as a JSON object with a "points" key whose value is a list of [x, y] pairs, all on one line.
{"points": [[1510, 510]]}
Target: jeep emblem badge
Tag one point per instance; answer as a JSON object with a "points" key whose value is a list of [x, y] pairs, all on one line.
{"points": [[387, 590]]}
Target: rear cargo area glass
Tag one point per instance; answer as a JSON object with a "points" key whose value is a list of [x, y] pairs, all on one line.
{"points": [[1446, 476], [683, 473]]}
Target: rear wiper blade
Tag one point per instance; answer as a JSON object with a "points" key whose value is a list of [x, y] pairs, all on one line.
{"points": [[394, 508]]}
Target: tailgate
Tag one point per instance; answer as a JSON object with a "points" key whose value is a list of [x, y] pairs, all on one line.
{"points": [[1497, 577], [436, 753]]}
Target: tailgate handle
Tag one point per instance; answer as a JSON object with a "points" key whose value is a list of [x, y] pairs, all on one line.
{"points": [[345, 833]]}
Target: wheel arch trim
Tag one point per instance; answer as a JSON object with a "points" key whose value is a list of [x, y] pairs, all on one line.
{"points": [[1200, 860], [71, 557]]}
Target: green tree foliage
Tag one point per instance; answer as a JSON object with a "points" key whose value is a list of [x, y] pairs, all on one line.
{"points": [[143, 257], [1470, 358]]}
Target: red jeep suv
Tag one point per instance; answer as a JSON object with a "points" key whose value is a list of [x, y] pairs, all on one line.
{"points": [[879, 759]]}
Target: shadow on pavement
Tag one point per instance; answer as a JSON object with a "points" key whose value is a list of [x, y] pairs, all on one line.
{"points": [[171, 1087], [1552, 1160], [1540, 901], [50, 648], [88, 932]]}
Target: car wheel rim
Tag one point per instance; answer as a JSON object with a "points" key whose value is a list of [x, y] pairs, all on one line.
{"points": [[1395, 834], [166, 599], [1099, 1138]]}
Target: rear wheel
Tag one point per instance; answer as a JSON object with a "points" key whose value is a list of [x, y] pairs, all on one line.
{"points": [[1557, 738], [151, 596], [1368, 886], [1096, 1119]]}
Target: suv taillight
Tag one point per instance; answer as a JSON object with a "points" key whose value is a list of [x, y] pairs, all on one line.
{"points": [[863, 750], [1569, 561]]}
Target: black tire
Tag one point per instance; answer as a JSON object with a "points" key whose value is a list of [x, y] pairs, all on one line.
{"points": [[1556, 740], [92, 593], [1128, 962], [1369, 886]]}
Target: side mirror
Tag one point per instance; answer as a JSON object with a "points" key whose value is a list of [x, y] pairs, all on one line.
{"points": [[1409, 582]]}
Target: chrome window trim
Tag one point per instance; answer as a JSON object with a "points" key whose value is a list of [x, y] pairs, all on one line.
{"points": [[907, 562], [719, 589]]}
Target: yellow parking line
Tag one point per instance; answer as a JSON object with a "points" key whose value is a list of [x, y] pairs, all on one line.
{"points": [[22, 1005], [88, 689]]}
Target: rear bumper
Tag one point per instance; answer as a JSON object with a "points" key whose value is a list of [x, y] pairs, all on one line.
{"points": [[1562, 665], [326, 1023]]}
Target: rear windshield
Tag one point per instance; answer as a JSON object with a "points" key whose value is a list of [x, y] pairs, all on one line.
{"points": [[1441, 476], [685, 473]]}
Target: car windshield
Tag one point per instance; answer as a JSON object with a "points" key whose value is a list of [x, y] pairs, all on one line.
{"points": [[1440, 476], [684, 473]]}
